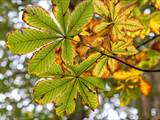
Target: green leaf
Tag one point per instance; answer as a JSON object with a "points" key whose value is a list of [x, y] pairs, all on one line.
{"points": [[39, 18], [54, 70], [43, 59], [67, 51], [89, 97], [67, 100], [62, 13], [101, 67], [81, 15], [27, 40], [47, 91], [94, 82], [88, 63]]}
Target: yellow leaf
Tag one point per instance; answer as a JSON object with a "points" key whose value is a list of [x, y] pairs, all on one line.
{"points": [[155, 24], [132, 75], [156, 3], [145, 87]]}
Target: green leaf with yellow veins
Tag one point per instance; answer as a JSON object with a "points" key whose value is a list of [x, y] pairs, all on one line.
{"points": [[48, 31], [54, 70], [93, 82], [47, 91], [63, 92], [62, 12], [100, 8], [67, 51], [80, 16], [27, 40], [39, 18], [43, 59], [89, 98], [66, 102], [123, 48], [101, 67], [88, 62]]}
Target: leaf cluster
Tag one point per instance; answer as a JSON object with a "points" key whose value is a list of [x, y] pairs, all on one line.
{"points": [[81, 49]]}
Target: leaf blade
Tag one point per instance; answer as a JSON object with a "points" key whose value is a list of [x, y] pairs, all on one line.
{"points": [[44, 58], [67, 51], [27, 40], [79, 17], [39, 18]]}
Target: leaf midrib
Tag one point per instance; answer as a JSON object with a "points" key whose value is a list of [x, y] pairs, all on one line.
{"points": [[41, 39]]}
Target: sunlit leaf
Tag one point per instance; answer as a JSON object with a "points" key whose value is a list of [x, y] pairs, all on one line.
{"points": [[67, 100], [145, 87], [27, 40], [123, 48], [67, 51], [44, 58], [117, 19], [37, 17], [62, 12], [101, 67], [47, 91], [80, 16], [88, 62], [89, 98]]}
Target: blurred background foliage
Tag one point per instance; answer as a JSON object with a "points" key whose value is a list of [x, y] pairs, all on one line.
{"points": [[16, 84]]}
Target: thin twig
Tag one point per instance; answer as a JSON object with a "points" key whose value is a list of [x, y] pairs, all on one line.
{"points": [[148, 41], [121, 61]]}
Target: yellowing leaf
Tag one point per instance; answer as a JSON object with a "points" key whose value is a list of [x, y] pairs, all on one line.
{"points": [[43, 59], [123, 48], [117, 19], [155, 23], [145, 87], [156, 3], [80, 16], [112, 65], [28, 40], [100, 69], [39, 18], [132, 75]]}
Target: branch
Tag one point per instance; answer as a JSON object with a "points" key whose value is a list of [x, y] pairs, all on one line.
{"points": [[148, 41], [121, 61]]}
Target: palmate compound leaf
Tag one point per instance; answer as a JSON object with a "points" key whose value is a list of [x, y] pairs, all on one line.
{"points": [[48, 32], [63, 91], [117, 19], [106, 64]]}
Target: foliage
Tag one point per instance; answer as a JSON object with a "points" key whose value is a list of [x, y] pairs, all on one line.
{"points": [[81, 50]]}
